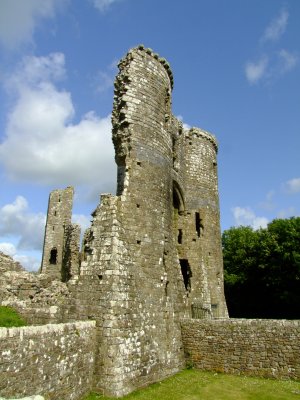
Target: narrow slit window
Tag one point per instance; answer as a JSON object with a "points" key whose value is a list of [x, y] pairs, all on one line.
{"points": [[179, 237], [186, 273], [198, 223]]}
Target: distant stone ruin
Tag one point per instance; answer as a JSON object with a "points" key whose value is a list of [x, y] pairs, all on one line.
{"points": [[152, 256]]}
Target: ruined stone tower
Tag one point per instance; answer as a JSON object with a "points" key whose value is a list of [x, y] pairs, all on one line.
{"points": [[152, 255], [61, 243]]}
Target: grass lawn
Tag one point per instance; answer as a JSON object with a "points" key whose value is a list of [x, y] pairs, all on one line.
{"points": [[10, 318], [199, 385]]}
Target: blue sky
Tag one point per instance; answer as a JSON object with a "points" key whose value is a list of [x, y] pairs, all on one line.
{"points": [[236, 66]]}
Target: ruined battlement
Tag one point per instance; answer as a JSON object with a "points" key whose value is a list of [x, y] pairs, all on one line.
{"points": [[201, 133]]}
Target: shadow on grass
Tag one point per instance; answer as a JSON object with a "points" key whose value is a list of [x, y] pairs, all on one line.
{"points": [[202, 385]]}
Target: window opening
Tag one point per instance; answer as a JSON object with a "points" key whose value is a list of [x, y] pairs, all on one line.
{"points": [[166, 288], [186, 273], [179, 237], [53, 256], [198, 223]]}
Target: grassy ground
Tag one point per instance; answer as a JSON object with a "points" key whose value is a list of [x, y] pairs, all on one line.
{"points": [[9, 317], [199, 385]]}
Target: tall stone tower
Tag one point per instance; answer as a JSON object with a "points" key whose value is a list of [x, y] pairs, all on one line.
{"points": [[153, 253], [201, 234], [61, 243]]}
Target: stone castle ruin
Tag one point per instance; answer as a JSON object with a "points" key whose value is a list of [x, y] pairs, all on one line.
{"points": [[152, 256], [153, 252]]}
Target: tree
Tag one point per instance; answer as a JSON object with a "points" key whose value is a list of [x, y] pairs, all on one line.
{"points": [[262, 270]]}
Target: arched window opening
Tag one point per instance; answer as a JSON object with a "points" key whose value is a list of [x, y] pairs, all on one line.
{"points": [[53, 256]]}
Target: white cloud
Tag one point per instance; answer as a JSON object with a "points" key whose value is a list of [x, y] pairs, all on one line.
{"points": [[288, 60], [293, 186], [268, 203], [18, 19], [246, 217], [277, 27], [42, 145], [17, 221], [272, 65], [184, 125], [34, 71], [28, 262], [105, 79], [103, 5], [83, 220], [287, 213], [8, 248], [255, 71]]}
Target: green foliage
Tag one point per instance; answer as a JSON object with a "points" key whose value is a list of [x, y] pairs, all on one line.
{"points": [[10, 318], [195, 384], [262, 270]]}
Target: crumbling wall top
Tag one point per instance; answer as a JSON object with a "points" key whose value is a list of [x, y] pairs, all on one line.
{"points": [[197, 132], [149, 51]]}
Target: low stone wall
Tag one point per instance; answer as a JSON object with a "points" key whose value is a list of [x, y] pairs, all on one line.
{"points": [[56, 361], [269, 348]]}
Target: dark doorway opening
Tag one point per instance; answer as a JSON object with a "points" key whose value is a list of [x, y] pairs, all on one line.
{"points": [[53, 256]]}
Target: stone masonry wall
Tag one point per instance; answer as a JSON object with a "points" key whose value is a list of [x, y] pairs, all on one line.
{"points": [[268, 348], [56, 361]]}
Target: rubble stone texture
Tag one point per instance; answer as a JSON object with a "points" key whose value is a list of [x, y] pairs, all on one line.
{"points": [[266, 348], [55, 360]]}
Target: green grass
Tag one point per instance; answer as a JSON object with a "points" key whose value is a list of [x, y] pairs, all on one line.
{"points": [[199, 385], [10, 318]]}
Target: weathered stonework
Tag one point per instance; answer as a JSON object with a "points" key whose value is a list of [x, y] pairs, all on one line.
{"points": [[266, 348], [153, 251], [56, 361]]}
